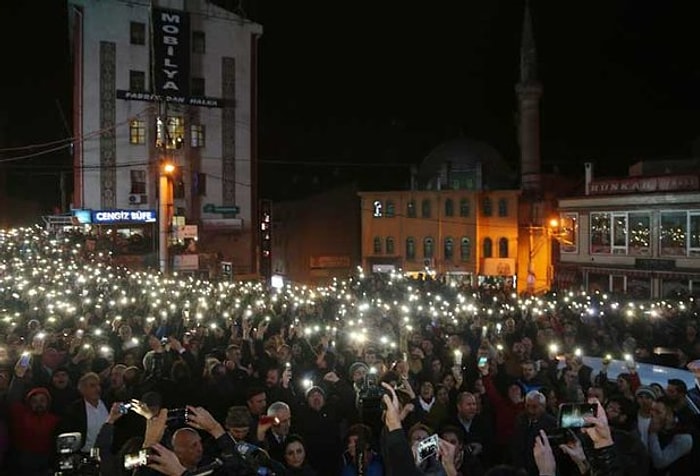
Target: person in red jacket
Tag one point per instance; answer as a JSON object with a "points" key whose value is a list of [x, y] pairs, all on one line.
{"points": [[32, 432], [506, 409]]}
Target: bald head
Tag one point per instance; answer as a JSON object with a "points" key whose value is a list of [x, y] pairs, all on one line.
{"points": [[187, 445]]}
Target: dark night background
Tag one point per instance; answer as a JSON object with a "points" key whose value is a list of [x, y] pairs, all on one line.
{"points": [[360, 90]]}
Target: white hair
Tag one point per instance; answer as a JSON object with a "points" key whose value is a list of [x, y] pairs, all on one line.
{"points": [[537, 396], [277, 406]]}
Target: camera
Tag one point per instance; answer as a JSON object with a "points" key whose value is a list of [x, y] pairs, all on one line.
{"points": [[124, 408], [71, 461], [136, 460]]}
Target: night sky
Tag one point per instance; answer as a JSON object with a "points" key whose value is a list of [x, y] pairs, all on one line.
{"points": [[360, 90]]}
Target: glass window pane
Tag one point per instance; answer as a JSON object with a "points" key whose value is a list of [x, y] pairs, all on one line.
{"points": [[464, 207], [411, 209], [449, 207], [486, 207], [568, 233], [465, 249], [390, 246], [410, 249], [377, 245], [639, 242], [502, 207], [600, 233], [428, 248], [503, 248], [425, 208], [449, 249], [488, 248], [620, 230], [694, 234], [673, 233], [390, 210]]}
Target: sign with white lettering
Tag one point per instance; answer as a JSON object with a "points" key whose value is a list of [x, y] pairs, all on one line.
{"points": [[171, 52], [173, 99], [665, 183], [116, 217]]}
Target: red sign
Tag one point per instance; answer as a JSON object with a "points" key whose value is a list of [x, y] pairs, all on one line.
{"points": [[666, 183]]}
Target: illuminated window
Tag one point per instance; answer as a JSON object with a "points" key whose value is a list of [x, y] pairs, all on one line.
{"points": [[196, 136], [377, 246], [137, 132], [488, 248], [171, 132], [673, 233], [639, 235], [389, 246], [694, 234], [486, 207], [428, 248], [502, 207], [425, 208], [410, 249], [600, 233], [449, 249], [465, 249], [390, 209], [138, 181], [449, 207], [411, 209], [464, 207], [503, 248], [567, 233]]}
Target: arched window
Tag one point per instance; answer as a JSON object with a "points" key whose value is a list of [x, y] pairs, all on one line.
{"points": [[410, 249], [425, 208], [411, 209], [449, 208], [377, 245], [449, 249], [486, 207], [464, 207], [465, 249], [390, 209], [502, 207], [389, 246], [503, 248], [377, 209], [488, 248], [428, 248]]}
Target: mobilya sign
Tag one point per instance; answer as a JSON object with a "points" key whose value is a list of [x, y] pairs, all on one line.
{"points": [[171, 52], [108, 217]]}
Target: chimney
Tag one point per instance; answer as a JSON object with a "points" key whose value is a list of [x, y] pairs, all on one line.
{"points": [[588, 167]]}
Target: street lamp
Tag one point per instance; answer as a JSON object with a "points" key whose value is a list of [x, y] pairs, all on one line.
{"points": [[164, 204]]}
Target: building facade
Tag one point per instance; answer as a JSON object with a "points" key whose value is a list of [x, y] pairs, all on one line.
{"points": [[638, 235], [463, 235], [168, 81]]}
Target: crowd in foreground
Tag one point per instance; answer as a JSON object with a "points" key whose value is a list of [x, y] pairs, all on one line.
{"points": [[374, 375]]}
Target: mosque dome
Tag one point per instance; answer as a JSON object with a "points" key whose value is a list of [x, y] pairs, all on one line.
{"points": [[465, 163]]}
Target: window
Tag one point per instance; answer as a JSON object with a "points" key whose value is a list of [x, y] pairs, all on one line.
{"points": [[390, 246], [138, 33], [619, 231], [138, 181], [464, 207], [200, 183], [486, 207], [196, 136], [197, 87], [137, 132], [567, 234], [503, 248], [488, 248], [411, 209], [377, 209], [694, 234], [449, 249], [170, 134], [449, 208], [390, 209], [600, 233], [137, 81], [428, 248], [425, 208], [199, 42], [673, 233], [377, 247], [502, 207], [410, 249], [639, 235], [465, 249]]}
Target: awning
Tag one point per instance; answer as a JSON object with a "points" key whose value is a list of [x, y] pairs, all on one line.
{"points": [[642, 273]]}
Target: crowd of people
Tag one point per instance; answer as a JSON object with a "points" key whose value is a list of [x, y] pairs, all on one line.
{"points": [[132, 371]]}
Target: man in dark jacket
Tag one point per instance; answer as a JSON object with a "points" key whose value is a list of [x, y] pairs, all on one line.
{"points": [[527, 428]]}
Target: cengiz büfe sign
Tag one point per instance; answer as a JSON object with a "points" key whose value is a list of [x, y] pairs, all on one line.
{"points": [[171, 52]]}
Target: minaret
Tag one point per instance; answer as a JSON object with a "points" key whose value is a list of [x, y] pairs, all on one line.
{"points": [[529, 91]]}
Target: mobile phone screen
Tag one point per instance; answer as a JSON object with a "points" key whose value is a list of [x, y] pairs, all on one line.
{"points": [[24, 360], [483, 361], [427, 448], [136, 460], [571, 415]]}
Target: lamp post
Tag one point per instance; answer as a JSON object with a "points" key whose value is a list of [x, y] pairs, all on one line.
{"points": [[165, 205]]}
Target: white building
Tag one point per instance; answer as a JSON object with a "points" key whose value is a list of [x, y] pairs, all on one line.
{"points": [[638, 235], [175, 80]]}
